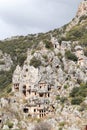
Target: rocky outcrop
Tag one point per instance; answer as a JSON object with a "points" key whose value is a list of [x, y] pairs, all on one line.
{"points": [[80, 15], [82, 9], [5, 61]]}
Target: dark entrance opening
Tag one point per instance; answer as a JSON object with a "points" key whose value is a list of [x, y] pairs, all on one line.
{"points": [[49, 88], [48, 95], [40, 86], [55, 46], [41, 94], [34, 110], [0, 120], [25, 110], [24, 92]]}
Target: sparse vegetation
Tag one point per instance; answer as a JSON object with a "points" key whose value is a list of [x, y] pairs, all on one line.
{"points": [[76, 100], [60, 128], [61, 124], [66, 86], [35, 62], [78, 94], [58, 97], [45, 57], [69, 55], [48, 44], [9, 124], [5, 79], [63, 99], [59, 55], [78, 33]]}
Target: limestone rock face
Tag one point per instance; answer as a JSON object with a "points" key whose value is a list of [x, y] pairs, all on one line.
{"points": [[28, 75], [82, 10], [81, 13], [5, 61], [16, 76], [5, 127], [40, 92]]}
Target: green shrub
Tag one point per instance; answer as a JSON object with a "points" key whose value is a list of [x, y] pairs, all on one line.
{"points": [[74, 91], [58, 97], [9, 90], [35, 62], [5, 78], [69, 55], [61, 124], [76, 101], [78, 94], [45, 57], [10, 124], [48, 44], [79, 91], [60, 128], [21, 59], [63, 99], [60, 55]]}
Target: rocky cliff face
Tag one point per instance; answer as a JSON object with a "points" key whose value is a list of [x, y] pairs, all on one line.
{"points": [[81, 15], [5, 62], [49, 79], [82, 9]]}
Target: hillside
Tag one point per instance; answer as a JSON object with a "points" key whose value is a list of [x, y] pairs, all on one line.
{"points": [[43, 77]]}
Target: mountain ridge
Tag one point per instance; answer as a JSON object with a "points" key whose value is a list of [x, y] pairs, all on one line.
{"points": [[47, 70]]}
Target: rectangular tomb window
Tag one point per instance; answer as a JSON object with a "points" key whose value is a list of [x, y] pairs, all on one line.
{"points": [[0, 120], [41, 94], [48, 95], [55, 46], [40, 86], [34, 110], [42, 114], [49, 88]]}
